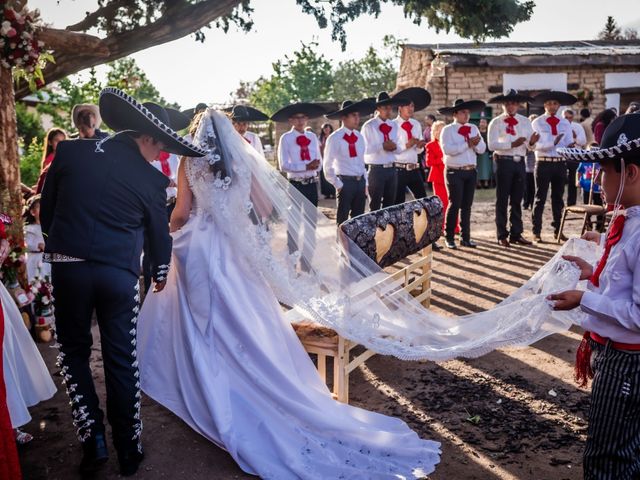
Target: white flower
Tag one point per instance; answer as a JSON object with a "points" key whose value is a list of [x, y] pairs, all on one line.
{"points": [[40, 43], [1, 42], [4, 63], [19, 62], [5, 27], [45, 301], [26, 35]]}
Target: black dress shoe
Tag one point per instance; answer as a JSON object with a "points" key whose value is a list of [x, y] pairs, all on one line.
{"points": [[538, 239], [450, 244], [468, 244], [561, 237], [435, 247], [503, 242], [522, 241], [95, 454], [129, 462]]}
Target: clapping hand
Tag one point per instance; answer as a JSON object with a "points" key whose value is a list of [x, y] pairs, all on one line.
{"points": [[558, 138], [591, 236], [586, 270], [412, 142], [473, 141], [313, 164], [389, 146], [534, 138], [159, 286], [518, 141]]}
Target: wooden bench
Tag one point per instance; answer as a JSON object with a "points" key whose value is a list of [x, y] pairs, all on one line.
{"points": [[325, 342]]}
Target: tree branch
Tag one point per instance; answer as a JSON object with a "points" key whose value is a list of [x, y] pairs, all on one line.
{"points": [[166, 29], [65, 41], [92, 18]]}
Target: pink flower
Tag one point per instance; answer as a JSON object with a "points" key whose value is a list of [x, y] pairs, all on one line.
{"points": [[12, 32]]}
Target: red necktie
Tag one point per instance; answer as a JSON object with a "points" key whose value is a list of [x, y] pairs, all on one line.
{"points": [[553, 121], [248, 141], [351, 140], [583, 370], [407, 127], [164, 163], [385, 129], [511, 122], [613, 237], [303, 142], [465, 131]]}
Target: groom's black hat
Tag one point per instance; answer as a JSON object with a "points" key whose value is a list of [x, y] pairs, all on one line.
{"points": [[121, 112]]}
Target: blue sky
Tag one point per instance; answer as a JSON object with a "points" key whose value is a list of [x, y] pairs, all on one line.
{"points": [[187, 72]]}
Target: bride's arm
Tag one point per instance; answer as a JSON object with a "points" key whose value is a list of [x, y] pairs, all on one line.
{"points": [[182, 209]]}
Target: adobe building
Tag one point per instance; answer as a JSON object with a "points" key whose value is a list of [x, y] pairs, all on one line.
{"points": [[599, 73]]}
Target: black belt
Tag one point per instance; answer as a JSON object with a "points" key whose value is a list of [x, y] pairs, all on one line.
{"points": [[383, 165], [407, 166], [304, 181], [515, 158], [357, 178], [550, 159]]}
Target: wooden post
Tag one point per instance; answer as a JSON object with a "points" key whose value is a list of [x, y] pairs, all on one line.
{"points": [[426, 269], [10, 193]]}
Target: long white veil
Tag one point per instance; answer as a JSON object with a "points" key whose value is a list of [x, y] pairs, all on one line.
{"points": [[328, 279]]}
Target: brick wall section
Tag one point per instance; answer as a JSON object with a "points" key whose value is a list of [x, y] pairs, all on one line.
{"points": [[474, 82]]}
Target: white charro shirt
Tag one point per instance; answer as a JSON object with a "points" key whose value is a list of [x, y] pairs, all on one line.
{"points": [[580, 135], [457, 152], [545, 146], [499, 140], [290, 154], [404, 154], [374, 154], [254, 140], [613, 308], [337, 159]]}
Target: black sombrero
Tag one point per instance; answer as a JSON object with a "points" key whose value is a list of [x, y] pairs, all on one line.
{"points": [[420, 97], [563, 98], [177, 120], [511, 96], [244, 113], [621, 137], [191, 112], [363, 107], [384, 99], [311, 110], [460, 104], [123, 112]]}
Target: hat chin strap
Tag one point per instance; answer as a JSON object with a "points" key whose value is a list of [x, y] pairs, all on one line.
{"points": [[617, 206]]}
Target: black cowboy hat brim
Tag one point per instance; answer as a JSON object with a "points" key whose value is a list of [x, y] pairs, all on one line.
{"points": [[363, 107], [253, 115], [311, 110], [563, 98], [511, 98], [471, 105], [621, 138], [394, 102], [420, 97], [122, 112]]}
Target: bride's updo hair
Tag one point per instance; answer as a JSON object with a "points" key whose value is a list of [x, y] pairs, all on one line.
{"points": [[193, 127]]}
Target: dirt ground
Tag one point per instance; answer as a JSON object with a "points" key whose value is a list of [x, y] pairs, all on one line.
{"points": [[512, 414]]}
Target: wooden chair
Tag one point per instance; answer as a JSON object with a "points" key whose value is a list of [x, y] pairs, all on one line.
{"points": [[586, 212], [388, 237]]}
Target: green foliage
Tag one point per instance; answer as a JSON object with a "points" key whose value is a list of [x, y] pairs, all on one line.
{"points": [[307, 75], [29, 124], [126, 75], [30, 162], [611, 30], [473, 19]]}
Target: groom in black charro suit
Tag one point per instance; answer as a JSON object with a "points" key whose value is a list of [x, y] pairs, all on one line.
{"points": [[99, 200]]}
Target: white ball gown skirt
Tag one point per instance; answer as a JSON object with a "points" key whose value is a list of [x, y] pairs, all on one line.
{"points": [[214, 349], [26, 376]]}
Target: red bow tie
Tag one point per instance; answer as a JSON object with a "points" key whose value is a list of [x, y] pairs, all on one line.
{"points": [[407, 127], [164, 163], [303, 142], [351, 139], [553, 122], [465, 131], [613, 237], [511, 122], [385, 129]]}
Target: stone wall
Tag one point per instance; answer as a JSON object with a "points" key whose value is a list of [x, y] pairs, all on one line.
{"points": [[474, 82]]}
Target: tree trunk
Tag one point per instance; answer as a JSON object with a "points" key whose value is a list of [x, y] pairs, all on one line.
{"points": [[10, 194]]}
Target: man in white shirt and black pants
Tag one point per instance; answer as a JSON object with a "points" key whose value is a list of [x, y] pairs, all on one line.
{"points": [[551, 168], [461, 142], [580, 140], [381, 145], [410, 143], [240, 116], [343, 162], [510, 136], [299, 157]]}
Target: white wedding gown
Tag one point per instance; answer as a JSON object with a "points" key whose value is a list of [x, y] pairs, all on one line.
{"points": [[215, 349]]}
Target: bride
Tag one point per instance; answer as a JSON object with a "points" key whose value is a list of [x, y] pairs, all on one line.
{"points": [[215, 348]]}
